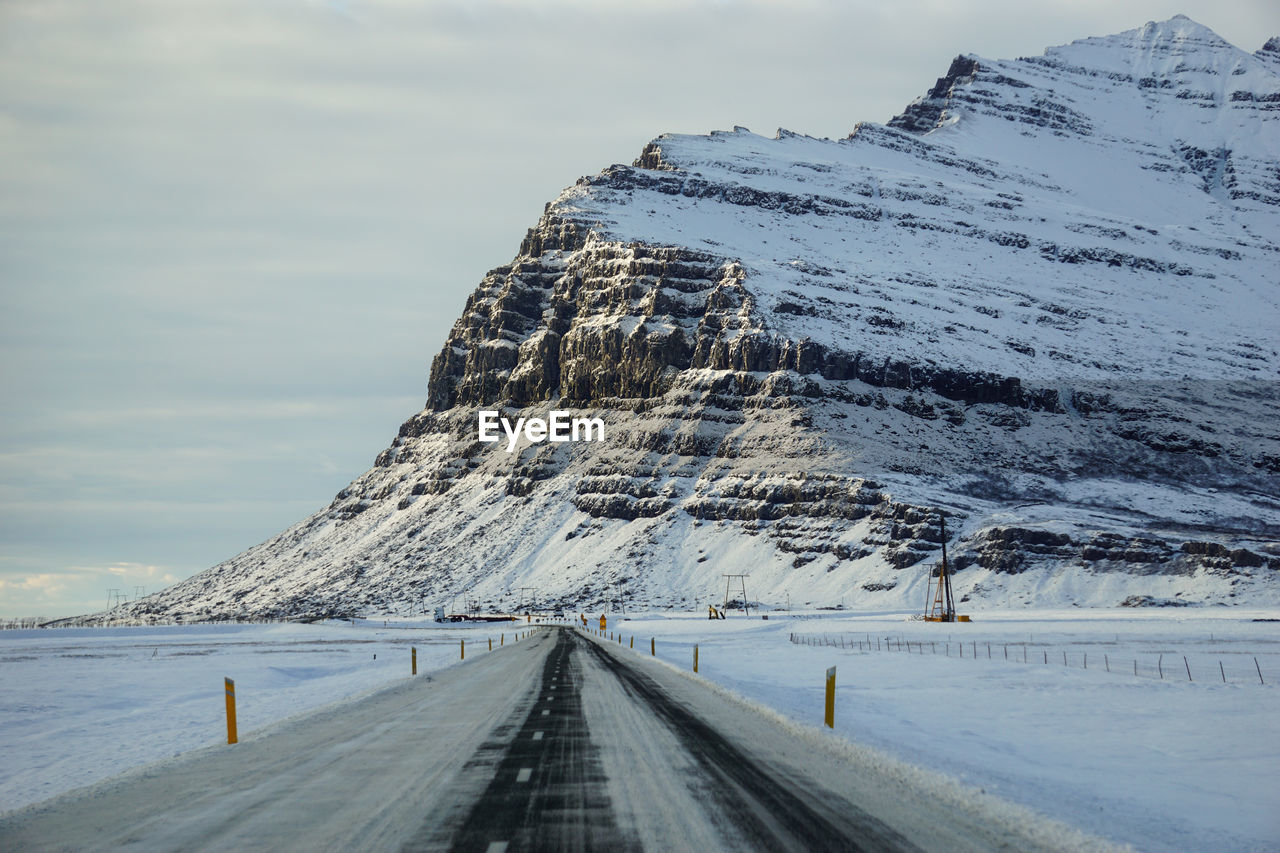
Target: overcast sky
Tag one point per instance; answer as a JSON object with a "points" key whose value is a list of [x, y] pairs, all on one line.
{"points": [[234, 234]]}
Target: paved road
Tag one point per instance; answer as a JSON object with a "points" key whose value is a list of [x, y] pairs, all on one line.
{"points": [[562, 742]]}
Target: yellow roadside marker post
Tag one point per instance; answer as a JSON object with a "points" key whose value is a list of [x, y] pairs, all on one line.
{"points": [[230, 687], [695, 657], [502, 639], [830, 717], [413, 650], [462, 650], [633, 641], [653, 650], [491, 644]]}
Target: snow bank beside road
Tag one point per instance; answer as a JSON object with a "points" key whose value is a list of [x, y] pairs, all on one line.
{"points": [[1163, 765]]}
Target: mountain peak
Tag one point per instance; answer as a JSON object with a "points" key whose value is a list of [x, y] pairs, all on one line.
{"points": [[1156, 49], [1269, 53], [1166, 80]]}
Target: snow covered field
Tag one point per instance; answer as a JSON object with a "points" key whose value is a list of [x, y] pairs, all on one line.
{"points": [[80, 705], [1162, 764]]}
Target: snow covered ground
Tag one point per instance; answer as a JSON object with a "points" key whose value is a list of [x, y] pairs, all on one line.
{"points": [[1162, 764], [80, 705]]}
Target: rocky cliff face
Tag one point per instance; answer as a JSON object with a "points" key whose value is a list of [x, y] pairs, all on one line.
{"points": [[1041, 301]]}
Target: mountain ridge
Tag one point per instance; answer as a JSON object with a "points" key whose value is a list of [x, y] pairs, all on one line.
{"points": [[1040, 300]]}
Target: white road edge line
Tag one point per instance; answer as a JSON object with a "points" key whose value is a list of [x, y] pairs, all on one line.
{"points": [[537, 735], [524, 774]]}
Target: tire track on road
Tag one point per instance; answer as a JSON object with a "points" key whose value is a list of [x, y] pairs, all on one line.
{"points": [[549, 790], [759, 801]]}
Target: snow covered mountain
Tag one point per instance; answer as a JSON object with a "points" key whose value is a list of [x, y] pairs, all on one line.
{"points": [[1044, 300]]}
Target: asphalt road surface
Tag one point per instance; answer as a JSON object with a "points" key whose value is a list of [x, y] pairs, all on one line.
{"points": [[562, 742]]}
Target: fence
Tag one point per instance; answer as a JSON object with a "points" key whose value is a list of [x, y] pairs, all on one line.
{"points": [[22, 623], [1168, 666]]}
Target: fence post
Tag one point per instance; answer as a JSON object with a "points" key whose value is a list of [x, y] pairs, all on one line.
{"points": [[695, 657], [830, 717], [230, 687], [1188, 666], [1106, 661], [1160, 666], [1259, 669], [413, 657]]}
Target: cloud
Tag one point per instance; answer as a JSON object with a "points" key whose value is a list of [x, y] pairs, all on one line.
{"points": [[47, 583], [84, 587]]}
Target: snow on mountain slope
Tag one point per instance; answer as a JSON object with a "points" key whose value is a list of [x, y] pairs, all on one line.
{"points": [[1076, 157], [1041, 300]]}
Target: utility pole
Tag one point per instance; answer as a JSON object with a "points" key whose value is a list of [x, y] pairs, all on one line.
{"points": [[533, 597], [742, 584], [942, 607], [946, 575]]}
